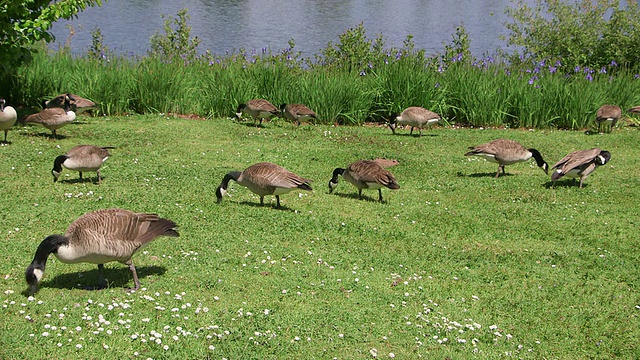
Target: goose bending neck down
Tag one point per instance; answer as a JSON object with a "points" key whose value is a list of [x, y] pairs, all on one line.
{"points": [[365, 174], [100, 237], [264, 178]]}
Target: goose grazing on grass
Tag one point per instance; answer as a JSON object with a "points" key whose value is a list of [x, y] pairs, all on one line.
{"points": [[78, 104], [579, 164], [415, 117], [8, 117], [53, 118], [264, 178], [608, 115], [258, 109], [100, 237], [365, 174], [82, 158], [297, 113], [506, 152]]}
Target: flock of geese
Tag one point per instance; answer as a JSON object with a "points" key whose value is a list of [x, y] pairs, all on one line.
{"points": [[116, 234]]}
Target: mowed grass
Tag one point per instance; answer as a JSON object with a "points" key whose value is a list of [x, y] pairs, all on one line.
{"points": [[454, 264]]}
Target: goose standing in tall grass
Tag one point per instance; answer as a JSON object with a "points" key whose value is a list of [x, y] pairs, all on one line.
{"points": [[365, 174], [99, 237], [78, 104], [506, 152], [257, 109], [608, 115], [297, 113], [579, 164], [82, 158], [264, 178], [8, 117], [53, 118], [414, 116]]}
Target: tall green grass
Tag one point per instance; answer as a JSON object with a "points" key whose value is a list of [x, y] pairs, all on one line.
{"points": [[479, 92]]}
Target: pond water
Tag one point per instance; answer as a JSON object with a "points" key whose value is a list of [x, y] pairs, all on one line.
{"points": [[227, 25]]}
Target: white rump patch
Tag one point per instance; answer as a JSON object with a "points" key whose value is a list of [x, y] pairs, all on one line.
{"points": [[38, 274]]}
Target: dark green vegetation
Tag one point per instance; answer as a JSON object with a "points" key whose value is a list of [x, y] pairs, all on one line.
{"points": [[452, 264]]}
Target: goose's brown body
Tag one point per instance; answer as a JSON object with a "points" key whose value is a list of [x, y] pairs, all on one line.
{"points": [[365, 174], [100, 237], [265, 178], [506, 152]]}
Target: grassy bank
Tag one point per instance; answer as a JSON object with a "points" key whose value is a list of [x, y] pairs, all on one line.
{"points": [[454, 264]]}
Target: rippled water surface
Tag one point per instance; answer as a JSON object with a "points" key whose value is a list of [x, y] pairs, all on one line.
{"points": [[227, 25]]}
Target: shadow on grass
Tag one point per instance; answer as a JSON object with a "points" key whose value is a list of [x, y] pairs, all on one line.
{"points": [[47, 135], [357, 197], [267, 205], [116, 277], [414, 135], [93, 180], [486, 174], [566, 183]]}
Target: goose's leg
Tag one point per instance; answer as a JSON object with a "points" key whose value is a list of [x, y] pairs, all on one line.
{"points": [[380, 195], [136, 281], [278, 201]]}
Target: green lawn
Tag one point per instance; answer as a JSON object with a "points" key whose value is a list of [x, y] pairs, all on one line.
{"points": [[454, 264]]}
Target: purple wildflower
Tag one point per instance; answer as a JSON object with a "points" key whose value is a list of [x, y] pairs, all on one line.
{"points": [[552, 69], [370, 65], [437, 85], [636, 76], [603, 70], [577, 68], [589, 77], [558, 63], [264, 50], [363, 73], [441, 69], [398, 55], [533, 79], [614, 63]]}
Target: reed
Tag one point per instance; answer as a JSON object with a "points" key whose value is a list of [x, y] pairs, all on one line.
{"points": [[478, 92]]}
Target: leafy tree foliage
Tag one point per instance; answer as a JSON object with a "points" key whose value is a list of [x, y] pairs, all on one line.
{"points": [[23, 23], [176, 41], [591, 33]]}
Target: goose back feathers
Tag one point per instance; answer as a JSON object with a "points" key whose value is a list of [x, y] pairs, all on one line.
{"points": [[416, 117], [365, 174], [579, 164], [78, 104], [100, 237], [257, 109], [53, 118], [297, 113], [82, 158], [608, 115], [8, 117], [506, 152], [264, 178]]}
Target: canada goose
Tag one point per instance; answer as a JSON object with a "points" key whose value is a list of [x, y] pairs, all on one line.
{"points": [[365, 174], [8, 117], [297, 112], [579, 164], [506, 152], [415, 117], [100, 237], [82, 158], [608, 115], [78, 104], [264, 178], [635, 109], [53, 118], [257, 109]]}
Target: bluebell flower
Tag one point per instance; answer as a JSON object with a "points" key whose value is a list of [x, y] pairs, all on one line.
{"points": [[603, 70], [577, 68], [589, 77], [552, 69], [614, 63]]}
